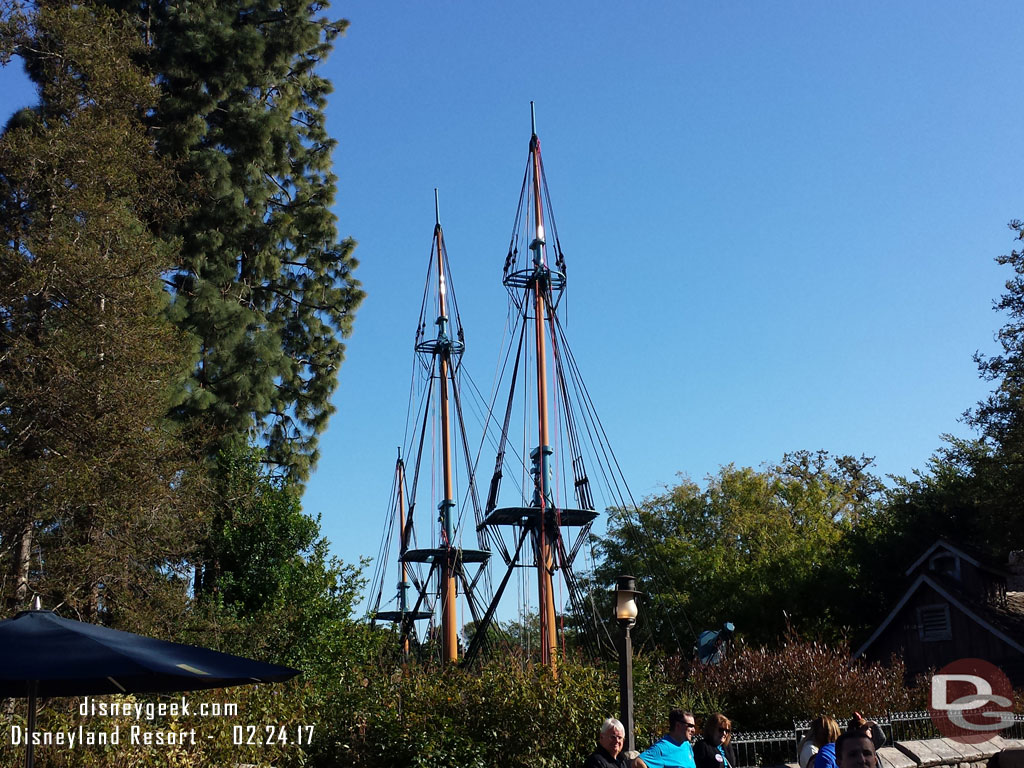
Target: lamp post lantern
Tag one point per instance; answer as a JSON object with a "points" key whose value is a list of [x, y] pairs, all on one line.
{"points": [[625, 614]]}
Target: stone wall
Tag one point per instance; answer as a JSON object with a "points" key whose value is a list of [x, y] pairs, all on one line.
{"points": [[932, 753], [944, 753]]}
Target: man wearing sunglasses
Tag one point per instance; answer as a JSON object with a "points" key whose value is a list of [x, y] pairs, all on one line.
{"points": [[674, 749]]}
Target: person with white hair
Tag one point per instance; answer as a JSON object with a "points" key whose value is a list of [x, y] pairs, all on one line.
{"points": [[608, 753]]}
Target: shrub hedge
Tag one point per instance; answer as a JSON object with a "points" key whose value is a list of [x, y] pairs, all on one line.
{"points": [[376, 711]]}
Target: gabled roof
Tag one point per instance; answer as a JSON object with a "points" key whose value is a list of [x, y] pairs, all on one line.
{"points": [[961, 551], [975, 613]]}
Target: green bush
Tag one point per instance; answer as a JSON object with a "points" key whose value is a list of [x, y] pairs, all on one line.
{"points": [[510, 712], [371, 710]]}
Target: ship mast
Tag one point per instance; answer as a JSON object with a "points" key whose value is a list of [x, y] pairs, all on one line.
{"points": [[403, 616], [403, 584], [540, 287], [440, 357], [449, 630], [535, 287]]}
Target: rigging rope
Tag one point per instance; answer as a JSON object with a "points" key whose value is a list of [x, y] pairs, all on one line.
{"points": [[599, 438]]}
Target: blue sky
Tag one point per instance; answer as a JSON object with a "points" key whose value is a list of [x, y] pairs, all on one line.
{"points": [[780, 219]]}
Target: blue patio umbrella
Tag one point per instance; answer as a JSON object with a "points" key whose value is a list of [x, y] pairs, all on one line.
{"points": [[42, 654]]}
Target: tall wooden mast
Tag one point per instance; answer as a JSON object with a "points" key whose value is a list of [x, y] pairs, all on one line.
{"points": [[403, 585], [403, 616], [449, 629], [535, 287], [440, 359], [540, 287]]}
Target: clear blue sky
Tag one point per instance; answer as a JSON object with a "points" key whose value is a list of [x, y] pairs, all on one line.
{"points": [[779, 219]]}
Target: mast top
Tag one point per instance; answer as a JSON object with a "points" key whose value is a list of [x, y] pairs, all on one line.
{"points": [[437, 210], [533, 119]]}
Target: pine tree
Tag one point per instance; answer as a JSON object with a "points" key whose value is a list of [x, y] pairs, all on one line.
{"points": [[94, 503], [997, 461], [263, 284]]}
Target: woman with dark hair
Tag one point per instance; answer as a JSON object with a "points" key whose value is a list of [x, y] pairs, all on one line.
{"points": [[713, 750]]}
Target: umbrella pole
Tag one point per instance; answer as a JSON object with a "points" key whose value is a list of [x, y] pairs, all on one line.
{"points": [[32, 688]]}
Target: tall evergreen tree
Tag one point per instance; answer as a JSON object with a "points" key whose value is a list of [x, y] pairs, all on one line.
{"points": [[263, 285], [94, 508], [970, 490], [1000, 417], [998, 465]]}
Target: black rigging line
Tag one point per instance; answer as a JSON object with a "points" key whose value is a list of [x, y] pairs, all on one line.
{"points": [[407, 624], [581, 483], [384, 551], [419, 456], [513, 246], [422, 324], [632, 528], [472, 491], [474, 497], [492, 494], [559, 258], [467, 589], [479, 637], [489, 418], [592, 626]]}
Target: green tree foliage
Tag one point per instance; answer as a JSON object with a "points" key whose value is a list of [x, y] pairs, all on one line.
{"points": [[262, 285], [94, 488], [757, 548], [999, 466], [376, 712], [1001, 416], [259, 536], [945, 500], [506, 714], [970, 490], [278, 593]]}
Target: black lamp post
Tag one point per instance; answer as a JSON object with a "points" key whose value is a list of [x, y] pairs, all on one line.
{"points": [[625, 614]]}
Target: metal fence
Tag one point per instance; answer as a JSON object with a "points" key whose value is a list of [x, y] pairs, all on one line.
{"points": [[755, 748], [768, 748], [909, 726]]}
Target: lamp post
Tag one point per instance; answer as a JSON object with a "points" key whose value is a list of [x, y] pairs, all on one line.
{"points": [[625, 614]]}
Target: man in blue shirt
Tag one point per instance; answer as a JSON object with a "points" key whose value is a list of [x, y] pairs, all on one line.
{"points": [[673, 750]]}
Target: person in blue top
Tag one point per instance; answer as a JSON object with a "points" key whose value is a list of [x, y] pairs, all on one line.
{"points": [[826, 757], [673, 750]]}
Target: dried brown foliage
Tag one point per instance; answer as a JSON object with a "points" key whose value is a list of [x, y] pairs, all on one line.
{"points": [[770, 687]]}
